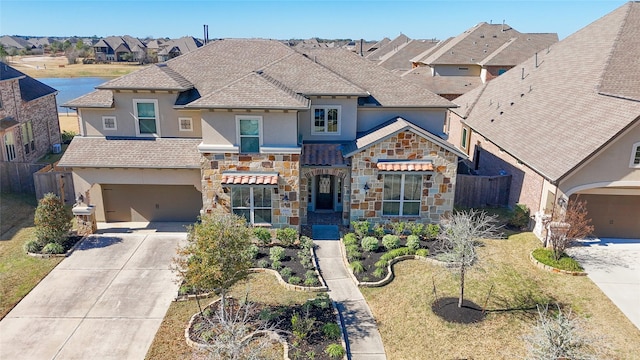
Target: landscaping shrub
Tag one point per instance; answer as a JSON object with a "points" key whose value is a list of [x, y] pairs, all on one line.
{"points": [[253, 251], [294, 280], [331, 331], [306, 243], [53, 248], [263, 235], [361, 228], [398, 228], [380, 272], [422, 252], [32, 246], [263, 264], [276, 265], [432, 231], [520, 217], [286, 272], [378, 230], [350, 239], [413, 242], [52, 220], [370, 244], [381, 263], [566, 262], [335, 351], [354, 255], [277, 253], [287, 236], [390, 242], [310, 274], [67, 136], [306, 263], [311, 281], [416, 228], [357, 267], [392, 254]]}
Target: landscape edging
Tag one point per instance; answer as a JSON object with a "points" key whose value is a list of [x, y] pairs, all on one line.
{"points": [[66, 254], [548, 268]]}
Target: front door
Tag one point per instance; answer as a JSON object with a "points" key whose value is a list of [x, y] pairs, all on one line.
{"points": [[324, 192]]}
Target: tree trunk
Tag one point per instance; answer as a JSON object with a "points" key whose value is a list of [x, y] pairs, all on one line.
{"points": [[462, 269]]}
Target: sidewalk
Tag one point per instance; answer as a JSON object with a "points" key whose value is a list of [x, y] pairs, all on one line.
{"points": [[363, 339]]}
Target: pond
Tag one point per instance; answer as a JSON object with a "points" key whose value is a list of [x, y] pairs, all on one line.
{"points": [[71, 88]]}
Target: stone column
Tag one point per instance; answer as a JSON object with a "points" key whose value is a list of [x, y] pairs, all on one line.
{"points": [[85, 218]]}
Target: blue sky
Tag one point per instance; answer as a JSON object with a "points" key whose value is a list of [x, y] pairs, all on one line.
{"points": [[368, 19]]}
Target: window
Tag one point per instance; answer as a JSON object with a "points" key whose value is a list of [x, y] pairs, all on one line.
{"points": [[185, 124], [109, 123], [27, 137], [326, 120], [635, 156], [501, 71], [9, 145], [146, 114], [249, 130], [464, 141], [401, 195], [253, 203]]}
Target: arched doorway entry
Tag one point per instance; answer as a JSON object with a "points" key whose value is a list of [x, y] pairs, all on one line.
{"points": [[324, 192]]}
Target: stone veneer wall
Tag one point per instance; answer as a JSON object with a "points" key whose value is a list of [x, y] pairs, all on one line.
{"points": [[287, 165], [438, 189], [307, 173]]}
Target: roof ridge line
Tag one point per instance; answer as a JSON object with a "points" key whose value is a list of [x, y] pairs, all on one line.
{"points": [[613, 48], [280, 85], [334, 72]]}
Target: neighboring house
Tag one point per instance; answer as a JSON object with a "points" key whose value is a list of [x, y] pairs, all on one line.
{"points": [[476, 56], [400, 58], [16, 42], [566, 123], [29, 127], [173, 48], [119, 48], [272, 137], [385, 47]]}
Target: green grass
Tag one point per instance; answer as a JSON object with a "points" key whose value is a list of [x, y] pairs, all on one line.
{"points": [[19, 272], [566, 262]]}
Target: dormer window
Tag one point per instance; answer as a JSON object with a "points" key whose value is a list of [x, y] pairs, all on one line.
{"points": [[325, 120]]}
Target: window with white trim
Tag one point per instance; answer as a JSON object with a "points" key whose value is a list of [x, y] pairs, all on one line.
{"points": [[185, 124], [464, 138], [109, 123], [401, 195], [249, 133], [253, 203], [635, 156], [27, 137], [325, 120], [9, 145], [146, 115]]}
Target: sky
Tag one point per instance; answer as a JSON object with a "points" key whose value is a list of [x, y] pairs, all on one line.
{"points": [[301, 19]]}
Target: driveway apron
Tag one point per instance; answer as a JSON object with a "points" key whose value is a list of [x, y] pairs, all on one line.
{"points": [[105, 301], [363, 338]]}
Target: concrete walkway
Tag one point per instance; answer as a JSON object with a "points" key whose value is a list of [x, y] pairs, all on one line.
{"points": [[363, 339], [105, 301]]}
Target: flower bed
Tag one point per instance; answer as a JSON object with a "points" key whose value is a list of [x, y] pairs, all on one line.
{"points": [[62, 250]]}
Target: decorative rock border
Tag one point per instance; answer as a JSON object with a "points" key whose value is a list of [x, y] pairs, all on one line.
{"points": [[390, 274], [554, 270], [66, 254]]}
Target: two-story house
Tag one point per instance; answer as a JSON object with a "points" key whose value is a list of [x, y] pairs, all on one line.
{"points": [[29, 127], [566, 123], [119, 48], [259, 129]]}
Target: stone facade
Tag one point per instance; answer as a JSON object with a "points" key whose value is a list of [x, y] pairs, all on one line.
{"points": [[438, 188], [308, 173], [217, 197]]}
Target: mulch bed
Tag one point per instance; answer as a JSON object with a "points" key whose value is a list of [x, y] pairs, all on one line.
{"points": [[68, 244], [279, 318], [447, 309], [290, 261]]}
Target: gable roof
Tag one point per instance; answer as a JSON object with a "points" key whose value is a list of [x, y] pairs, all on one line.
{"points": [[16, 42], [393, 45], [518, 49], [401, 59], [442, 85], [556, 106], [158, 77], [30, 88], [183, 45], [389, 128], [94, 99]]}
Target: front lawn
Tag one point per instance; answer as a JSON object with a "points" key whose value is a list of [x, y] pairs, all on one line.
{"points": [[19, 272], [508, 285]]}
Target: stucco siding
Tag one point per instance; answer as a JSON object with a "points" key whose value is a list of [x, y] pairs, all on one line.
{"points": [[457, 70], [278, 128], [348, 119], [431, 120]]}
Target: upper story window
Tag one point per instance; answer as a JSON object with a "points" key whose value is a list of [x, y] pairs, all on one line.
{"points": [[109, 123], [464, 139], [401, 196], [325, 120], [146, 114], [27, 137], [635, 156], [185, 124], [249, 133], [9, 145]]}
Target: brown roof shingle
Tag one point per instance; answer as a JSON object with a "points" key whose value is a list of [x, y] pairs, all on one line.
{"points": [[322, 155]]}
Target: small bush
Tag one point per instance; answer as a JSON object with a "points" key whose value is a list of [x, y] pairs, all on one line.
{"points": [[286, 272], [413, 242], [432, 231], [350, 239], [422, 252], [378, 230], [277, 253], [311, 281], [369, 243], [352, 248], [398, 228], [263, 235], [32, 246], [361, 228], [354, 256], [306, 243], [52, 220], [311, 274], [335, 351], [380, 272], [276, 265], [67, 136], [253, 251], [357, 267], [287, 236], [307, 263], [392, 254], [416, 228], [390, 242], [53, 248], [381, 263], [331, 331], [520, 217], [294, 280], [263, 264]]}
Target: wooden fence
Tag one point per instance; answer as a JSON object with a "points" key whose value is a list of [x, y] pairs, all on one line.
{"points": [[473, 191], [55, 180], [17, 177]]}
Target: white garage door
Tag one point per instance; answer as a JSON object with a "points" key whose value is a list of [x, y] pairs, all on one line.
{"points": [[616, 216], [151, 202]]}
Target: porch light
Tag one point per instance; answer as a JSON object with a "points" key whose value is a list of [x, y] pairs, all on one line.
{"points": [[285, 198], [366, 188]]}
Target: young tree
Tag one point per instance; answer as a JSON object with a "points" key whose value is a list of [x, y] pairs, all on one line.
{"points": [[52, 220], [215, 256], [576, 217], [459, 237]]}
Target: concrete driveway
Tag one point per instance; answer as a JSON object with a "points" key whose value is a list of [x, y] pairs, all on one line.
{"points": [[614, 265], [105, 301]]}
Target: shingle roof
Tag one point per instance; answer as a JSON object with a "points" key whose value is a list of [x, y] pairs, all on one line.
{"points": [[401, 59], [30, 88], [242, 178], [159, 77], [322, 155], [442, 85], [393, 45], [155, 153], [518, 49], [94, 99], [555, 110], [391, 127]]}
